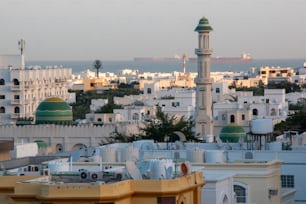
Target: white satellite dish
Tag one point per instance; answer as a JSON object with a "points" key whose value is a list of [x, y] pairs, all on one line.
{"points": [[133, 170]]}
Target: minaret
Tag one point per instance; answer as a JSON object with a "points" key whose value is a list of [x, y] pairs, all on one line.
{"points": [[21, 45], [184, 62], [203, 110]]}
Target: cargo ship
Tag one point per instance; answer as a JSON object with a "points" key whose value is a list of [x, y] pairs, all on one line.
{"points": [[245, 57]]}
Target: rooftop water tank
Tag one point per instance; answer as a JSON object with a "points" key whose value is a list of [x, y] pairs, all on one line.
{"points": [[108, 154], [262, 126], [195, 155], [214, 156]]}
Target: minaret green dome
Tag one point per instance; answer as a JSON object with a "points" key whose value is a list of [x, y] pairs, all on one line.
{"points": [[53, 111], [203, 26], [232, 133]]}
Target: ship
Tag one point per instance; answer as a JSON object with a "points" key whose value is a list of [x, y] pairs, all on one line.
{"points": [[245, 57]]}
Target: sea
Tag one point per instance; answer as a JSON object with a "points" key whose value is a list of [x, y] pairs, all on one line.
{"points": [[117, 66]]}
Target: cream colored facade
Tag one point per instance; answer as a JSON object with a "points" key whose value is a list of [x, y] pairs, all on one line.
{"points": [[258, 182], [183, 190]]}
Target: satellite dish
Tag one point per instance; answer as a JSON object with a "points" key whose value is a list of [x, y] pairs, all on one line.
{"points": [[133, 170]]}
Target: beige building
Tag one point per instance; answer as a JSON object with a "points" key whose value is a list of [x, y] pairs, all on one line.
{"points": [[254, 182]]}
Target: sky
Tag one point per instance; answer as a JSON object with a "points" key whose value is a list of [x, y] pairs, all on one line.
{"points": [[124, 29]]}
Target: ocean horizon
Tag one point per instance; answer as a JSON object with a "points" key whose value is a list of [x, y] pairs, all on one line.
{"points": [[116, 66]]}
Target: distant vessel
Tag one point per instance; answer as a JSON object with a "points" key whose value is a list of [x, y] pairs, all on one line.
{"points": [[245, 57]]}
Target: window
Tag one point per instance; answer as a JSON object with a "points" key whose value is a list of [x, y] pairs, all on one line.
{"points": [[2, 109], [287, 181], [15, 82], [232, 118], [149, 91], [16, 97], [223, 117], [2, 82], [242, 117], [273, 112], [240, 192], [255, 112], [166, 200], [16, 110], [217, 90], [2, 96]]}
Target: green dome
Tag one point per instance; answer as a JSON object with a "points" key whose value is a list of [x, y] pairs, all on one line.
{"points": [[203, 26], [232, 133], [53, 111]]}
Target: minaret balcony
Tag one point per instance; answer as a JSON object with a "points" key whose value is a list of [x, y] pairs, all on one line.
{"points": [[203, 81], [203, 51]]}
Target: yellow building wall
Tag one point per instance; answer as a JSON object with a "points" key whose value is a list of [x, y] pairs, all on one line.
{"points": [[7, 186], [185, 189]]}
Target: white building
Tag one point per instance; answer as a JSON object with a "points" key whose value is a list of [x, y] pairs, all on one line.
{"points": [[23, 89], [248, 107]]}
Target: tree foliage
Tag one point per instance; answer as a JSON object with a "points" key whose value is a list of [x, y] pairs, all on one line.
{"points": [[295, 121], [165, 126]]}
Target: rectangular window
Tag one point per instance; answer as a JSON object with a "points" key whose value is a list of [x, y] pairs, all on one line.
{"points": [[242, 117], [217, 90], [16, 97], [2, 96], [166, 200], [287, 181]]}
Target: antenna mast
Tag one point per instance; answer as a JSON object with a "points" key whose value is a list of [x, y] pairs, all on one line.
{"points": [[21, 46]]}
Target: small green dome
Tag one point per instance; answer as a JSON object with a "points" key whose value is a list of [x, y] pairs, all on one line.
{"points": [[232, 133], [203, 26], [53, 111]]}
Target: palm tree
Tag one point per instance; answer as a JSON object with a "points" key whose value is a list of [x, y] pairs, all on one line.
{"points": [[97, 65]]}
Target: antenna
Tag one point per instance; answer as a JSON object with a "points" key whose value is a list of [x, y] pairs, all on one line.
{"points": [[21, 46]]}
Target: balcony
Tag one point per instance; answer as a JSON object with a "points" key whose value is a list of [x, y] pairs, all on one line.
{"points": [[15, 115], [16, 88], [16, 102]]}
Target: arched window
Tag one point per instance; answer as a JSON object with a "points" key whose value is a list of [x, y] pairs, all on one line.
{"points": [[16, 110], [135, 116], [2, 82], [16, 82], [99, 120], [232, 118], [255, 111], [241, 193], [273, 112], [2, 109]]}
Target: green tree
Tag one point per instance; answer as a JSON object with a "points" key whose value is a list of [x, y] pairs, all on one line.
{"points": [[97, 65], [166, 126]]}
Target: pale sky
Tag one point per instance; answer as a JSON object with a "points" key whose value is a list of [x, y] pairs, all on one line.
{"points": [[124, 29]]}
